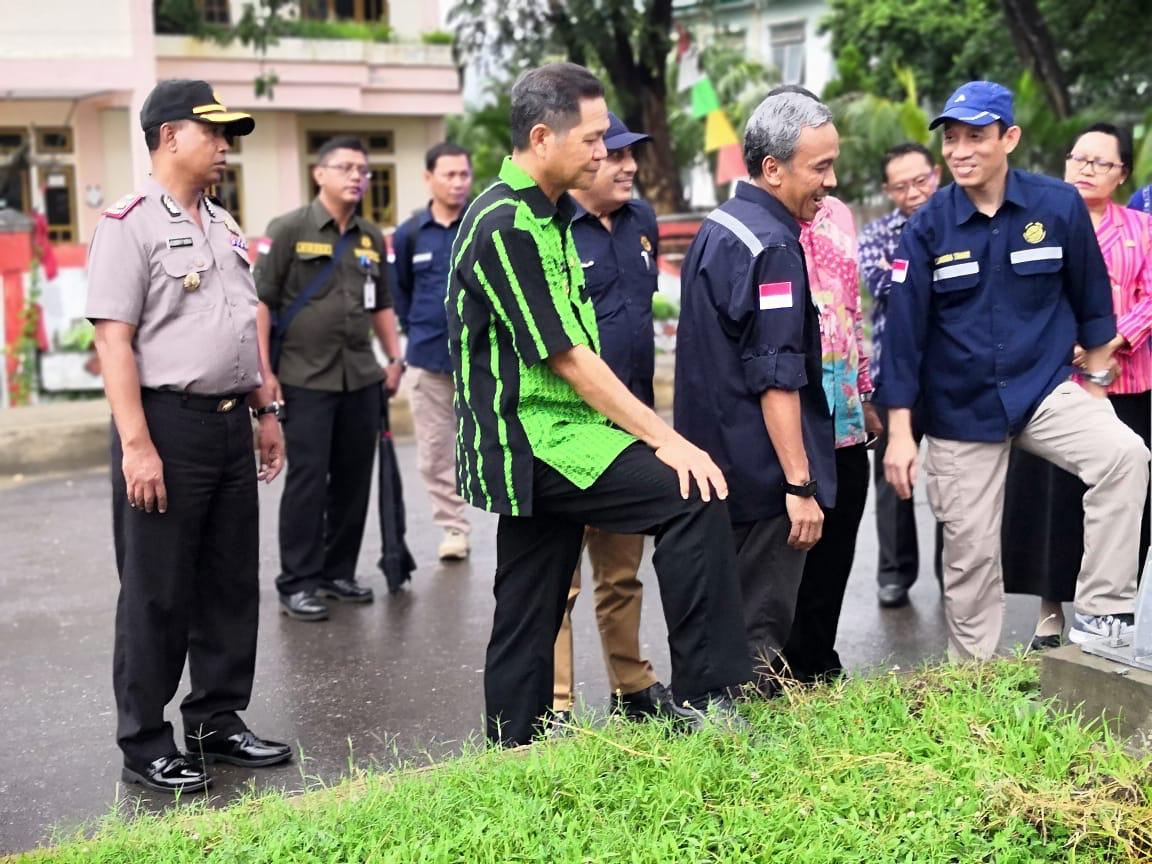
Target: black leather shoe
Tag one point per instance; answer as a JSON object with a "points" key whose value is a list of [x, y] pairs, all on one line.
{"points": [[172, 773], [303, 606], [713, 712], [654, 701], [892, 596], [1044, 643], [346, 591], [243, 749]]}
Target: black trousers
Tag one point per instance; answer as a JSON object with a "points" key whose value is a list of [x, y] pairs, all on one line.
{"points": [[188, 580], [770, 571], [330, 439], [899, 559], [811, 648], [535, 557]]}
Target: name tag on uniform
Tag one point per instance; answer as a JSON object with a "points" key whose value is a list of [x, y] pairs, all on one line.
{"points": [[178, 242], [306, 248], [421, 257], [369, 294]]}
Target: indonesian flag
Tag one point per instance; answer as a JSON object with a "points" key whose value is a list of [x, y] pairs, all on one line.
{"points": [[776, 295], [899, 269]]}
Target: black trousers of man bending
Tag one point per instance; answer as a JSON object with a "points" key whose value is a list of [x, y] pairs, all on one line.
{"points": [[188, 578], [695, 563]]}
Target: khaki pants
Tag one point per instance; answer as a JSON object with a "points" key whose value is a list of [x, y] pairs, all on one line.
{"points": [[618, 595], [435, 422], [965, 483]]}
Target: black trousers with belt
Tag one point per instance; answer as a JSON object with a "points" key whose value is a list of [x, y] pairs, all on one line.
{"points": [[535, 556], [811, 647], [188, 579], [330, 440]]}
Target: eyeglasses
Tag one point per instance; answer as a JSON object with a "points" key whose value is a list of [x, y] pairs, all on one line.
{"points": [[1098, 166], [349, 169], [922, 182]]}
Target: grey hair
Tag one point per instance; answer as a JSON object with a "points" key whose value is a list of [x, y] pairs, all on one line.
{"points": [[775, 127]]}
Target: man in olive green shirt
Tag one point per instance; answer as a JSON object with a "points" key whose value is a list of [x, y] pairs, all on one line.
{"points": [[321, 276], [548, 433]]}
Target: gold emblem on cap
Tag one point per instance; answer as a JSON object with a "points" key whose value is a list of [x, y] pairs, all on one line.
{"points": [[365, 241], [192, 281], [1034, 232], [216, 96], [645, 243]]}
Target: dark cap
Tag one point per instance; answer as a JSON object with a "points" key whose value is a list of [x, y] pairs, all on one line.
{"points": [[977, 103], [191, 100], [618, 137]]}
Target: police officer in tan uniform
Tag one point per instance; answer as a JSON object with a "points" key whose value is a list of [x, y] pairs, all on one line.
{"points": [[174, 305], [321, 275]]}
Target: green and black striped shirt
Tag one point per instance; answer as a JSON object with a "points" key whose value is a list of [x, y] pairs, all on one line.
{"points": [[516, 296]]}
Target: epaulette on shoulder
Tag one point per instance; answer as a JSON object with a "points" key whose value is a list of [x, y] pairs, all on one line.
{"points": [[121, 208]]}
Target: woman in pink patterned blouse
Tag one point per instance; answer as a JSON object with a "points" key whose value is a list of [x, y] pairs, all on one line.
{"points": [[1043, 544]]}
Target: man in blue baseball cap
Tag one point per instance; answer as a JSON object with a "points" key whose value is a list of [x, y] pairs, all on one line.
{"points": [[616, 237], [996, 280]]}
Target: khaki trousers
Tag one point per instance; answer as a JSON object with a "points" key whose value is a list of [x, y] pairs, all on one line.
{"points": [[435, 420], [965, 482], [618, 595]]}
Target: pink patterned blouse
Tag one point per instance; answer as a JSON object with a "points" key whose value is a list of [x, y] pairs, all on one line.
{"points": [[1125, 238]]}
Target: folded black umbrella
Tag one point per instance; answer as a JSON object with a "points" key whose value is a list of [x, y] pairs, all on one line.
{"points": [[396, 561]]}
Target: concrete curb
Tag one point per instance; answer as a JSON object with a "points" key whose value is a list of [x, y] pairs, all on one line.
{"points": [[69, 436]]}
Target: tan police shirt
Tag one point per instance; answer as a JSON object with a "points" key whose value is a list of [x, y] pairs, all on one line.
{"points": [[328, 346], [188, 292]]}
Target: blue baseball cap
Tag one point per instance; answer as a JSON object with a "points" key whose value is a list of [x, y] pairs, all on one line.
{"points": [[977, 103], [618, 135]]}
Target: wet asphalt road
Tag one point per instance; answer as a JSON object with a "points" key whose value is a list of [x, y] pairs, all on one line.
{"points": [[397, 680]]}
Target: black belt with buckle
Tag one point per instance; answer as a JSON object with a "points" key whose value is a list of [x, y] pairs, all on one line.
{"points": [[195, 402]]}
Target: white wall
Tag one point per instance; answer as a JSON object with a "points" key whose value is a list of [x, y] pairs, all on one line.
{"points": [[65, 29]]}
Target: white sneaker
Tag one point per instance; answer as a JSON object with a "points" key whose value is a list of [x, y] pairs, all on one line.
{"points": [[1092, 628], [454, 546]]}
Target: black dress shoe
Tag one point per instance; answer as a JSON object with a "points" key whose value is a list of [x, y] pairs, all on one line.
{"points": [[712, 712], [892, 596], [1045, 643], [346, 591], [243, 749], [303, 606], [172, 773], [654, 701]]}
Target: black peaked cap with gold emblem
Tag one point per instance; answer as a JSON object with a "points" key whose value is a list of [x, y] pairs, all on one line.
{"points": [[180, 99]]}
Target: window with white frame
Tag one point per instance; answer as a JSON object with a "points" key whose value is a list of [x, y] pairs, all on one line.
{"points": [[787, 51]]}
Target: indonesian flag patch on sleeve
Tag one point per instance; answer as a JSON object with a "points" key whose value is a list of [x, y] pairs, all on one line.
{"points": [[899, 269], [775, 295]]}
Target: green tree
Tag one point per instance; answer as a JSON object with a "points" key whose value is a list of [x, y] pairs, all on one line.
{"points": [[629, 41], [1073, 48]]}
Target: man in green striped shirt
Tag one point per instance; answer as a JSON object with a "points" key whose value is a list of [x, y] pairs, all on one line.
{"points": [[550, 438]]}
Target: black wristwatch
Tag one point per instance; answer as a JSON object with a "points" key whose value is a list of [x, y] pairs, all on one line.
{"points": [[804, 490], [272, 407]]}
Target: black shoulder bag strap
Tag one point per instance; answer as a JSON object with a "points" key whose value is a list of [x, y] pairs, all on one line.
{"points": [[281, 321]]}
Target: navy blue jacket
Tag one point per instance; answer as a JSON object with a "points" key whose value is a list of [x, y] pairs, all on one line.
{"points": [[620, 272], [748, 325], [983, 312], [422, 248]]}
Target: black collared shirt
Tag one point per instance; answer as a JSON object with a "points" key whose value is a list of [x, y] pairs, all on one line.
{"points": [[748, 325], [620, 272], [329, 344]]}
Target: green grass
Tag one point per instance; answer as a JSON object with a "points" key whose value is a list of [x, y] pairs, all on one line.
{"points": [[947, 765]]}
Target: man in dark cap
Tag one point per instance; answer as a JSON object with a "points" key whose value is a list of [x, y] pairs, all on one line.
{"points": [[615, 236], [995, 281], [172, 299]]}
